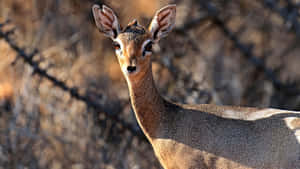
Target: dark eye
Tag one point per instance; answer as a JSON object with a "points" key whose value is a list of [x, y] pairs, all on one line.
{"points": [[147, 48], [116, 45]]}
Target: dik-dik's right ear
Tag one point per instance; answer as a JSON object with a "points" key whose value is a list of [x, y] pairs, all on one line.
{"points": [[106, 20], [163, 22]]}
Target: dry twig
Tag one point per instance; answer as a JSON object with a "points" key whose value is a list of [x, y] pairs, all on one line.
{"points": [[246, 50], [28, 59]]}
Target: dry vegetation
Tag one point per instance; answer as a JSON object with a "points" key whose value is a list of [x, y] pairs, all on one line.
{"points": [[224, 52]]}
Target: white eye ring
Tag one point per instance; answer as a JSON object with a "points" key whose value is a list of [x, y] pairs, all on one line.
{"points": [[144, 46], [118, 41], [119, 50]]}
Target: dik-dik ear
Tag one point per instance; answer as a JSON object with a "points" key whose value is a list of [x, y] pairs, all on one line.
{"points": [[106, 20], [163, 22]]}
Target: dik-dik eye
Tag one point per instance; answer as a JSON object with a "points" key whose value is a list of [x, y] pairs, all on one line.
{"points": [[147, 47], [116, 45]]}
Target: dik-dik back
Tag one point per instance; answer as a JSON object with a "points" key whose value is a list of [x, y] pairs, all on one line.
{"points": [[203, 136]]}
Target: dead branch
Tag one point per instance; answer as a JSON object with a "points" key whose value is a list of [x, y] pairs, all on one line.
{"points": [[289, 13], [28, 59], [246, 50]]}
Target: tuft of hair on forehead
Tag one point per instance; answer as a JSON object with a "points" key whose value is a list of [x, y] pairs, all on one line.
{"points": [[134, 27]]}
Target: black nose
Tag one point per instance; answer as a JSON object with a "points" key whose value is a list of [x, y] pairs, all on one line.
{"points": [[131, 69]]}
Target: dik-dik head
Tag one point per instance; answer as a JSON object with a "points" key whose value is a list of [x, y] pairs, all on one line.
{"points": [[133, 44]]}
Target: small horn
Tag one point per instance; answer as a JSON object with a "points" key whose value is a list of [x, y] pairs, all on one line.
{"points": [[133, 23]]}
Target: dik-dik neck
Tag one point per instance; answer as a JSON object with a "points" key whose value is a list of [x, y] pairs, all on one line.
{"points": [[147, 103]]}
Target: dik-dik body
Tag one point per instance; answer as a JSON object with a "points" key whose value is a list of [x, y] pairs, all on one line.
{"points": [[203, 136]]}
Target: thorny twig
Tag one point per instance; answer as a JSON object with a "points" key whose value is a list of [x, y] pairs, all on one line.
{"points": [[246, 50], [28, 58], [289, 13]]}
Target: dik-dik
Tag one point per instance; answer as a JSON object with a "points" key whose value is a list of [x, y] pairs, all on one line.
{"points": [[202, 136]]}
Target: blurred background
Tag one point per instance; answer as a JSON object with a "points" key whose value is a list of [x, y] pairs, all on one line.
{"points": [[64, 102]]}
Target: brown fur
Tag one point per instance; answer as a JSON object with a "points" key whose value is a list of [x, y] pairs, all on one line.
{"points": [[208, 136], [205, 136]]}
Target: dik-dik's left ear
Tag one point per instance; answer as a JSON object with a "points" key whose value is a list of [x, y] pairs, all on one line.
{"points": [[106, 20], [163, 22]]}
